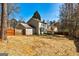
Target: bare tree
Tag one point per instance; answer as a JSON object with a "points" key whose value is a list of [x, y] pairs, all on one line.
{"points": [[4, 21], [76, 18], [69, 16], [66, 12], [12, 10]]}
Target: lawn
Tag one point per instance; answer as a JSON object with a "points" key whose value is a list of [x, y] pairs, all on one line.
{"points": [[38, 46]]}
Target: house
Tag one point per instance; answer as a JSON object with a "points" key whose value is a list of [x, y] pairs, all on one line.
{"points": [[43, 27], [39, 26], [12, 23], [53, 28], [23, 29]]}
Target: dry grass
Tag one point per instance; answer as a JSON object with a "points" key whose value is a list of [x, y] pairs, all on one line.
{"points": [[39, 45]]}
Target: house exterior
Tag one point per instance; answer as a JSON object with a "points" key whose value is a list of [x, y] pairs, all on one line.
{"points": [[43, 27], [12, 23], [23, 29], [38, 26], [36, 23], [53, 28]]}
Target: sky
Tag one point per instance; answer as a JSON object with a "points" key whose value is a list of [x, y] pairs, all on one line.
{"points": [[47, 11]]}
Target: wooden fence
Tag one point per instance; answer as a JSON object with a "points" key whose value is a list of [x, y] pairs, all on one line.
{"points": [[10, 32]]}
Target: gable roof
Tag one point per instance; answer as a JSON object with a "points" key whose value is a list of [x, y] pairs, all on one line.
{"points": [[36, 15], [25, 26]]}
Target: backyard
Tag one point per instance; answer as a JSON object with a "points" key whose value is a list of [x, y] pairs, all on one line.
{"points": [[38, 46]]}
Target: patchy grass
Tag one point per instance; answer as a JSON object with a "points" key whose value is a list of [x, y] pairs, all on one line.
{"points": [[39, 46]]}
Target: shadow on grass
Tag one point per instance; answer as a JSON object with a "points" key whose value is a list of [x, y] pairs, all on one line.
{"points": [[3, 54], [76, 42]]}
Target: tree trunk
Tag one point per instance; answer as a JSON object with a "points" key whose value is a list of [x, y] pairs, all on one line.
{"points": [[4, 21]]}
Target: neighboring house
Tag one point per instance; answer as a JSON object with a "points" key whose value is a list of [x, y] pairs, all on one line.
{"points": [[53, 28], [23, 29], [38, 26], [12, 23]]}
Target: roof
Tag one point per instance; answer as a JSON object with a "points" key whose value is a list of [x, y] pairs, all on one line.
{"points": [[26, 26], [34, 20], [36, 15]]}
